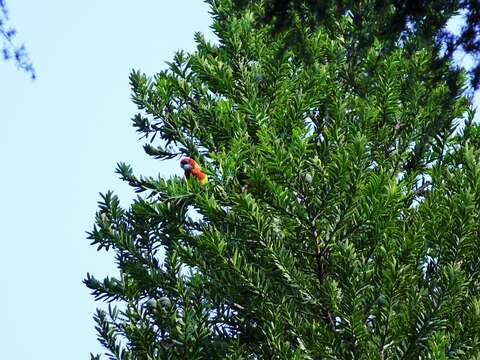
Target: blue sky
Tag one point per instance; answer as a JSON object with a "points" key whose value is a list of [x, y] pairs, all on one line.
{"points": [[60, 139]]}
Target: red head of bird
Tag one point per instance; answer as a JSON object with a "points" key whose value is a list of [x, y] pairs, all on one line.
{"points": [[187, 164], [191, 167]]}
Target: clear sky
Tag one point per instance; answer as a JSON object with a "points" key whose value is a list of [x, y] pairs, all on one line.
{"points": [[60, 139]]}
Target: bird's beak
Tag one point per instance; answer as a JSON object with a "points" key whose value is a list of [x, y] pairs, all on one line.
{"points": [[186, 167]]}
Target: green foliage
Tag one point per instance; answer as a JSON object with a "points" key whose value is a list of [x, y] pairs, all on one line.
{"points": [[389, 20], [341, 216]]}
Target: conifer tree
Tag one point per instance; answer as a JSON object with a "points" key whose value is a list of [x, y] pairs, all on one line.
{"points": [[341, 217]]}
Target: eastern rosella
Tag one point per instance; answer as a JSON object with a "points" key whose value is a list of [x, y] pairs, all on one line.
{"points": [[192, 168]]}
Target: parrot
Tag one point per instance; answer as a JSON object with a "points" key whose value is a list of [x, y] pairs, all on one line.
{"points": [[191, 167]]}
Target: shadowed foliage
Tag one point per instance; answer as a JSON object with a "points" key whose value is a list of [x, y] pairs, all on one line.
{"points": [[389, 20]]}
